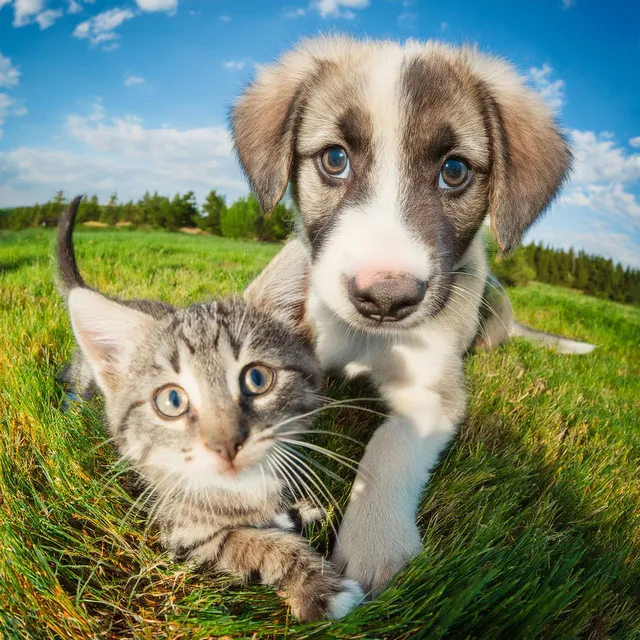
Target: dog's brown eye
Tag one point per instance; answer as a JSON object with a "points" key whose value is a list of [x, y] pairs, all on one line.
{"points": [[454, 173], [335, 162]]}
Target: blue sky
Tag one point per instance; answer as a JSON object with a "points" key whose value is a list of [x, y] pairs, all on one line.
{"points": [[101, 96]]}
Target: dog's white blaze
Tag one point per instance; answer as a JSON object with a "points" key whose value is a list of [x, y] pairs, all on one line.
{"points": [[372, 236]]}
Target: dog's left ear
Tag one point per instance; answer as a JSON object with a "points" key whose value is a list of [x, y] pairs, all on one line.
{"points": [[531, 156], [281, 289], [263, 123]]}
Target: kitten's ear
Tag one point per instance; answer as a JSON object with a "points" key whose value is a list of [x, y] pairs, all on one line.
{"points": [[107, 332], [281, 289]]}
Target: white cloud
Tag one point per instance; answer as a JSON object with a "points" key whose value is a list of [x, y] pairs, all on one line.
{"points": [[127, 137], [605, 198], [603, 186], [25, 10], [551, 91], [338, 8], [9, 78], [9, 107], [408, 20], [567, 4], [225, 18], [74, 7], [294, 13], [9, 75], [233, 65], [444, 26], [635, 142], [29, 11], [121, 154], [131, 81], [101, 28], [599, 159], [47, 18], [157, 5]]}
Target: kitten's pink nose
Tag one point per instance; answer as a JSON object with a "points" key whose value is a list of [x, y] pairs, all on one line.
{"points": [[386, 296], [226, 448]]}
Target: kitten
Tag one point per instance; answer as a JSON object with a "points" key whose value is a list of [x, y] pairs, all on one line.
{"points": [[195, 400]]}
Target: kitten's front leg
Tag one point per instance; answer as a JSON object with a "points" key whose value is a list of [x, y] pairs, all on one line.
{"points": [[378, 534], [282, 559]]}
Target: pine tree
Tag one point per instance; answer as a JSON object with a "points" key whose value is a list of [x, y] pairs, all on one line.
{"points": [[213, 209]]}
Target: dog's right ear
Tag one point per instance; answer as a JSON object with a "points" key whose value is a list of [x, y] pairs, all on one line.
{"points": [[263, 122]]}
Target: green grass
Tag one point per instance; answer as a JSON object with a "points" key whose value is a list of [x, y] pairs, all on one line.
{"points": [[531, 524]]}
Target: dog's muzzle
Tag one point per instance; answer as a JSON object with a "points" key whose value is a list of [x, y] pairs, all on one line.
{"points": [[387, 296]]}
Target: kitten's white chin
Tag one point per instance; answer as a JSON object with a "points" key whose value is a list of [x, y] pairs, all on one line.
{"points": [[249, 480]]}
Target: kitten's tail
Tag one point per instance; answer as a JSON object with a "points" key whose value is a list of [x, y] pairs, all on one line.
{"points": [[68, 274]]}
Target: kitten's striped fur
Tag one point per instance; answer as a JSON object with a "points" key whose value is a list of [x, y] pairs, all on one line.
{"points": [[216, 507]]}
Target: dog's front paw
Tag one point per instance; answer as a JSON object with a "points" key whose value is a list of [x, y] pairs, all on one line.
{"points": [[373, 551], [325, 596]]}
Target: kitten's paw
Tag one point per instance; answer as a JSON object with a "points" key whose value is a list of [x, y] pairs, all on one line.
{"points": [[309, 512], [346, 600], [325, 596], [372, 555]]}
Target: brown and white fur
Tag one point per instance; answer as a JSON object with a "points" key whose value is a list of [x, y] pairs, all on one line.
{"points": [[399, 112], [216, 467]]}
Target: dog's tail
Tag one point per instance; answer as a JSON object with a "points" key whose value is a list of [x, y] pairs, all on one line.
{"points": [[559, 343], [497, 325], [68, 275]]}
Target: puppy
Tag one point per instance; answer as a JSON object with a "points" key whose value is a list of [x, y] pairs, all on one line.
{"points": [[395, 155]]}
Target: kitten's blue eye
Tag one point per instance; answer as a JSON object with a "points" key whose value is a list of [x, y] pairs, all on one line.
{"points": [[171, 401], [335, 162], [256, 379], [454, 174]]}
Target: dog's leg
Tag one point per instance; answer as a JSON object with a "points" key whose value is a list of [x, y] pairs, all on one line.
{"points": [[378, 534]]}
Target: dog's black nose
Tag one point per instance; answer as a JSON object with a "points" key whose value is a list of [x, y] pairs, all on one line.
{"points": [[388, 296]]}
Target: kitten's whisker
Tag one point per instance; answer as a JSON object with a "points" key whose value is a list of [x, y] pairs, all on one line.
{"points": [[337, 403], [323, 431], [317, 464], [264, 482], [291, 484], [347, 462], [310, 474], [311, 494], [140, 502], [361, 399]]}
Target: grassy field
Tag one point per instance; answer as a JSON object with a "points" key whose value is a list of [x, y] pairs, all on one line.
{"points": [[531, 525]]}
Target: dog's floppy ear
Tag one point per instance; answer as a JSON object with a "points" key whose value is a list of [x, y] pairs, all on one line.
{"points": [[531, 156], [263, 122], [281, 289]]}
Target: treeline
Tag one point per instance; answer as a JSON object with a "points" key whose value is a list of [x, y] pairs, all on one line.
{"points": [[593, 275], [241, 219]]}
